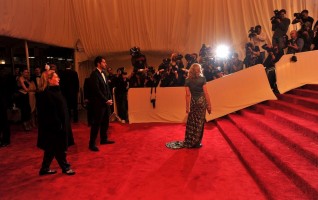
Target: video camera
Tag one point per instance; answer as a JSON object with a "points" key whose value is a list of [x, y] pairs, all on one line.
{"points": [[179, 56], [135, 51], [298, 15], [276, 16]]}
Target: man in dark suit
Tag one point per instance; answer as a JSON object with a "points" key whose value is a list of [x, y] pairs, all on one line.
{"points": [[101, 101], [70, 88]]}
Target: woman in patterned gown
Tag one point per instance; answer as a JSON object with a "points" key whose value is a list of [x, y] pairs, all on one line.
{"points": [[197, 102]]}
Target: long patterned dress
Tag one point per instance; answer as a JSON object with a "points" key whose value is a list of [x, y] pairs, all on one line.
{"points": [[196, 117]]}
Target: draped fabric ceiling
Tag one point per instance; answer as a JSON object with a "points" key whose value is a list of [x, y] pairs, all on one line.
{"points": [[159, 27]]}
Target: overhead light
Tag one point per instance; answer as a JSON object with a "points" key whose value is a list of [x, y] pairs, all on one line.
{"points": [[32, 57]]}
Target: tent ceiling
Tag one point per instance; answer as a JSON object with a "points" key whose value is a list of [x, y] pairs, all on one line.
{"points": [[158, 27]]}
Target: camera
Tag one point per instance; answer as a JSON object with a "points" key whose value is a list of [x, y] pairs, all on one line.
{"points": [[122, 71], [248, 45], [297, 15], [276, 16], [252, 32], [189, 58], [135, 51], [179, 56], [293, 59], [166, 61]]}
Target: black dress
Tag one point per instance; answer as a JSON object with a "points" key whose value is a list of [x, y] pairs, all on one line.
{"points": [[196, 116]]}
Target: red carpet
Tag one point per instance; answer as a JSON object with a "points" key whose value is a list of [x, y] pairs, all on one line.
{"points": [[267, 151], [137, 166]]}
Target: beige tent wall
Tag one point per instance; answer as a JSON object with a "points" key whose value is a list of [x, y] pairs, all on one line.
{"points": [[291, 75], [158, 27], [228, 94]]}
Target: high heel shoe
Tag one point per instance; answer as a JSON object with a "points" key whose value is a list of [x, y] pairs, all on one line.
{"points": [[26, 126]]}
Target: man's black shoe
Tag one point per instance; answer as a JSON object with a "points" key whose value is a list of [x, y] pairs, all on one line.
{"points": [[69, 172], [107, 142], [93, 148], [46, 172]]}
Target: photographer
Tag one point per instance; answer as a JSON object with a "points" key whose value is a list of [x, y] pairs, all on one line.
{"points": [[280, 25], [191, 58], [274, 54], [138, 60], [302, 18], [136, 80], [170, 75], [253, 55], [205, 56], [307, 35], [152, 78], [234, 64], [315, 39], [182, 72], [258, 38], [295, 44], [121, 83]]}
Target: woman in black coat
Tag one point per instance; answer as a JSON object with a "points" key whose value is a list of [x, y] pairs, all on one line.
{"points": [[54, 132]]}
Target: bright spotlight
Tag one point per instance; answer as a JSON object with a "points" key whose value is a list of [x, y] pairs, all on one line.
{"points": [[222, 51]]}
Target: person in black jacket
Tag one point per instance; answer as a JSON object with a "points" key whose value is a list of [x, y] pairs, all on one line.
{"points": [[101, 101], [5, 94], [121, 83], [54, 131], [70, 88]]}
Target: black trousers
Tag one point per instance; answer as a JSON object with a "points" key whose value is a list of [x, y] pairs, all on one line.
{"points": [[122, 106], [60, 157], [4, 125], [100, 122], [72, 104], [271, 75], [89, 114]]}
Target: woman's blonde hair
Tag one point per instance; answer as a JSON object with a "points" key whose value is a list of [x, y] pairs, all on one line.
{"points": [[195, 71], [45, 77]]}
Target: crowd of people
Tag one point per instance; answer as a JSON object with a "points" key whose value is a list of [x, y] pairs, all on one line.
{"points": [[172, 72]]}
